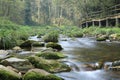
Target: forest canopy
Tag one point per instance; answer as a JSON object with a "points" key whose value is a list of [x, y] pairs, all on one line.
{"points": [[51, 12]]}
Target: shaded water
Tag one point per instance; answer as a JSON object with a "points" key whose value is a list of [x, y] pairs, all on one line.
{"points": [[86, 50]]}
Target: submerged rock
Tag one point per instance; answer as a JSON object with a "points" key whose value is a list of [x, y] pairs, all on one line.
{"points": [[54, 46], [48, 65], [20, 64], [8, 74], [39, 74]]}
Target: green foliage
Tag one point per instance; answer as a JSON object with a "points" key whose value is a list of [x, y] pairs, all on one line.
{"points": [[54, 46], [51, 36], [51, 55]]}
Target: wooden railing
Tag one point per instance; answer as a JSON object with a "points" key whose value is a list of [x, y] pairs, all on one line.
{"points": [[109, 12]]}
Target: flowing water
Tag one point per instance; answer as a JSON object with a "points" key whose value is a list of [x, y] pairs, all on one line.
{"points": [[88, 51], [82, 51]]}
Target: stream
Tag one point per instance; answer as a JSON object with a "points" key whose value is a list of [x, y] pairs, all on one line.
{"points": [[87, 50]]}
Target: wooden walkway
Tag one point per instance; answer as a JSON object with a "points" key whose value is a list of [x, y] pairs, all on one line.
{"points": [[110, 17]]}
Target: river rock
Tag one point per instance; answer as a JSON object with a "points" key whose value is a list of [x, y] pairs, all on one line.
{"points": [[102, 37], [20, 64], [38, 44], [27, 43], [54, 46], [51, 55], [48, 65], [39, 74], [3, 54], [17, 49], [8, 74], [115, 36], [115, 66]]}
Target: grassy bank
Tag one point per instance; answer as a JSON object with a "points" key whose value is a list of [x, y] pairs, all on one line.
{"points": [[12, 34]]}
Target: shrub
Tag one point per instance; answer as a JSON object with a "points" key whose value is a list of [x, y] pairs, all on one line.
{"points": [[51, 37]]}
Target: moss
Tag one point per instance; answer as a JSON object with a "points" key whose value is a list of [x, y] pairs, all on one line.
{"points": [[48, 65], [35, 75], [27, 43], [38, 44], [6, 74], [101, 39], [51, 55], [54, 46]]}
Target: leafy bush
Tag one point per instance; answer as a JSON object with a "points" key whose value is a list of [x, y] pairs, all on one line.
{"points": [[51, 37]]}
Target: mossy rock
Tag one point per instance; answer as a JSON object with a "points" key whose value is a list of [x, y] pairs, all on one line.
{"points": [[38, 44], [48, 65], [51, 55], [20, 64], [54, 46], [101, 39], [39, 74], [27, 43], [8, 74]]}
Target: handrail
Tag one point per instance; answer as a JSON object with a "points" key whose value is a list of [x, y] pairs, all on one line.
{"points": [[111, 11]]}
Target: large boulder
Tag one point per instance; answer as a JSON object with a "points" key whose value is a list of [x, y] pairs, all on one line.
{"points": [[8, 74], [51, 55], [39, 74], [27, 43], [20, 64], [115, 65], [48, 65], [54, 46]]}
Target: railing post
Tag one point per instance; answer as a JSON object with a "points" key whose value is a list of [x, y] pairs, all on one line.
{"points": [[93, 23], [116, 22], [107, 23], [99, 23], [86, 24]]}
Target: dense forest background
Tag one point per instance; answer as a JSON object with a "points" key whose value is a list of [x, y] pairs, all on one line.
{"points": [[51, 12]]}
